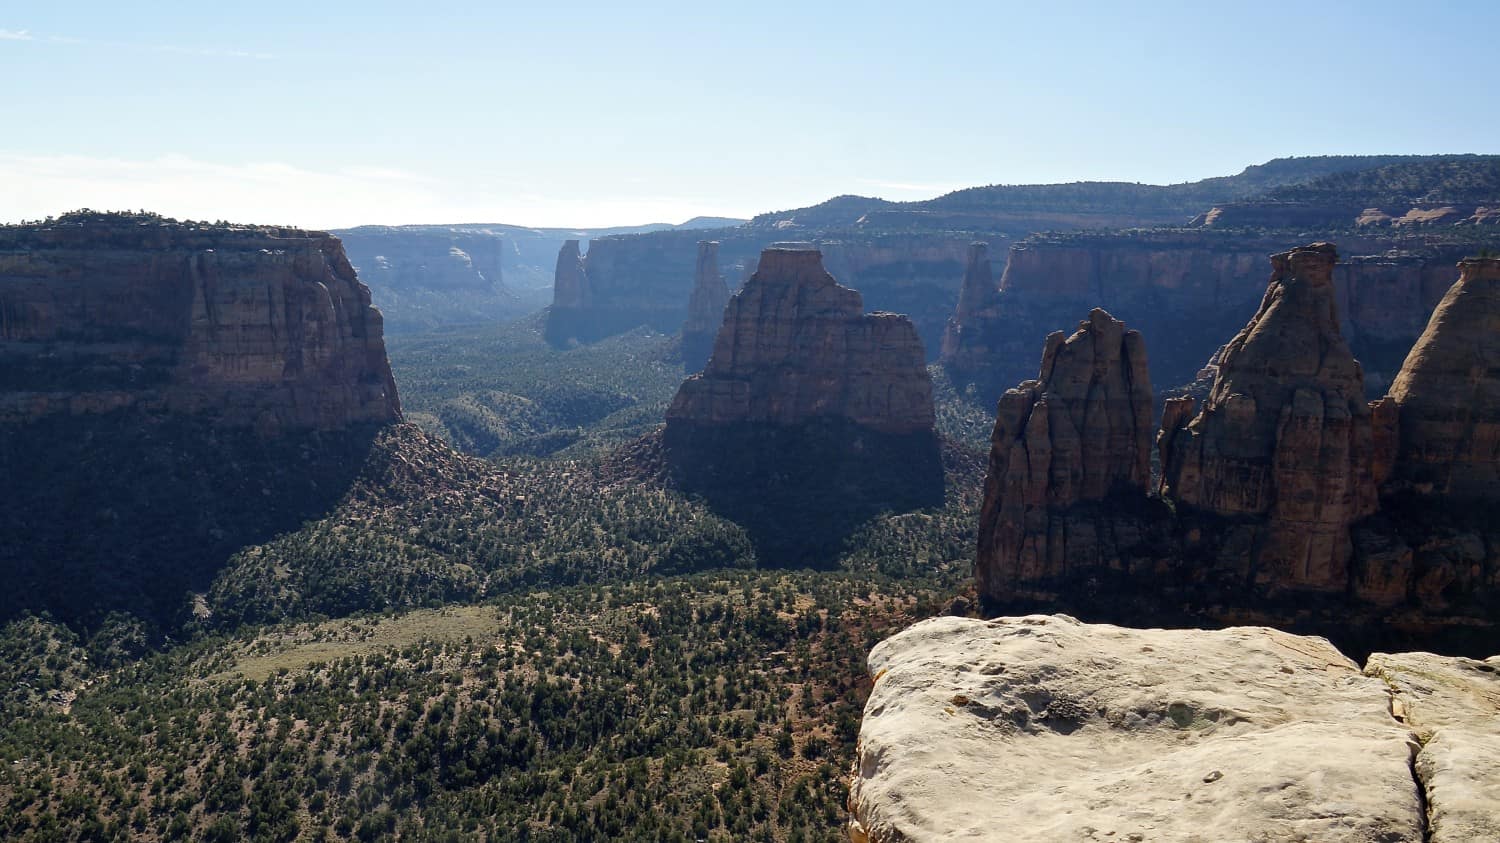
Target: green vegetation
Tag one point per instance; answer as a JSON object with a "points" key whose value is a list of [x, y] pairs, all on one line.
{"points": [[500, 390], [718, 706]]}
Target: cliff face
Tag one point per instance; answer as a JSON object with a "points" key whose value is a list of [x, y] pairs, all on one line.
{"points": [[705, 309], [1185, 291], [809, 410], [242, 327], [1448, 393], [976, 303], [796, 346], [1077, 435], [1285, 433], [425, 277], [647, 280]]}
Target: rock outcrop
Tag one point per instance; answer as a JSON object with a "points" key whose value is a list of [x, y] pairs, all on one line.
{"points": [[237, 326], [796, 346], [1044, 728], [1285, 434], [1448, 393], [1185, 291], [976, 301], [810, 415], [1453, 704], [1077, 435], [705, 309]]}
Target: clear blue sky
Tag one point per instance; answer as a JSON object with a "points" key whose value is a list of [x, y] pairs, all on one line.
{"points": [[334, 114]]}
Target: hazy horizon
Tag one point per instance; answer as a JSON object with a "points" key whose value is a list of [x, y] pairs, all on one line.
{"points": [[607, 116]]}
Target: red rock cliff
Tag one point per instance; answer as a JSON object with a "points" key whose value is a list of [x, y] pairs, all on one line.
{"points": [[1079, 433], [796, 346], [241, 326], [705, 308]]}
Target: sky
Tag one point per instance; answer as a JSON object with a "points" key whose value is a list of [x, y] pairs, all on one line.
{"points": [[589, 114]]}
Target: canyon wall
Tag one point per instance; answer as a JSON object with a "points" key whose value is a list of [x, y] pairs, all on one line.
{"points": [[1185, 290], [245, 327], [1285, 498], [429, 276], [705, 309]]}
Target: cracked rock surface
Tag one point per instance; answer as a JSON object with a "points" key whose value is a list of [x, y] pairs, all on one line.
{"points": [[1453, 704], [1045, 728]]}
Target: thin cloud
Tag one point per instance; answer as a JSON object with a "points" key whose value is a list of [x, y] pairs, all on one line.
{"points": [[69, 41]]}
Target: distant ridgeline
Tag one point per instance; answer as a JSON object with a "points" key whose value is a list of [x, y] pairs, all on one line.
{"points": [[168, 391], [910, 257]]}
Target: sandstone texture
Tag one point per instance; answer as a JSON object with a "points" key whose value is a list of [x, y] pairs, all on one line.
{"points": [[705, 309], [1285, 433], [1453, 704], [1042, 728], [795, 346], [1081, 432], [1448, 393], [238, 326], [810, 417]]}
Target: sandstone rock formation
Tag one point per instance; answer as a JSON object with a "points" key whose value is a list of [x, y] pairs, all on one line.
{"points": [[796, 346], [1448, 393], [238, 326], [976, 301], [1043, 728], [1453, 704], [705, 309], [424, 277], [1285, 434], [1079, 433], [810, 416]]}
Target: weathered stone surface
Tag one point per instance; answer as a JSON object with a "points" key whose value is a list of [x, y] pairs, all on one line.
{"points": [[796, 346], [705, 309], [1454, 706], [1448, 393], [425, 277], [238, 326], [1042, 728], [810, 416], [1285, 434], [1079, 433]]}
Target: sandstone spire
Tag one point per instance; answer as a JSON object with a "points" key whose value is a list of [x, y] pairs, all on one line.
{"points": [[1448, 392], [570, 283], [705, 308], [1078, 433], [976, 294], [1285, 433]]}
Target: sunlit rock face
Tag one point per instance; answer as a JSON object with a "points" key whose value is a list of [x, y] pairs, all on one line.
{"points": [[808, 410], [1064, 443], [1285, 433], [240, 326], [1448, 393]]}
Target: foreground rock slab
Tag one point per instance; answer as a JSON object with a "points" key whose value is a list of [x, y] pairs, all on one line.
{"points": [[1044, 728], [1454, 706]]}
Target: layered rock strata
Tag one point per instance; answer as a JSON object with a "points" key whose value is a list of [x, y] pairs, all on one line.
{"points": [[1285, 434], [424, 277], [1078, 434], [238, 326], [705, 309], [810, 414], [1044, 728], [1448, 393]]}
